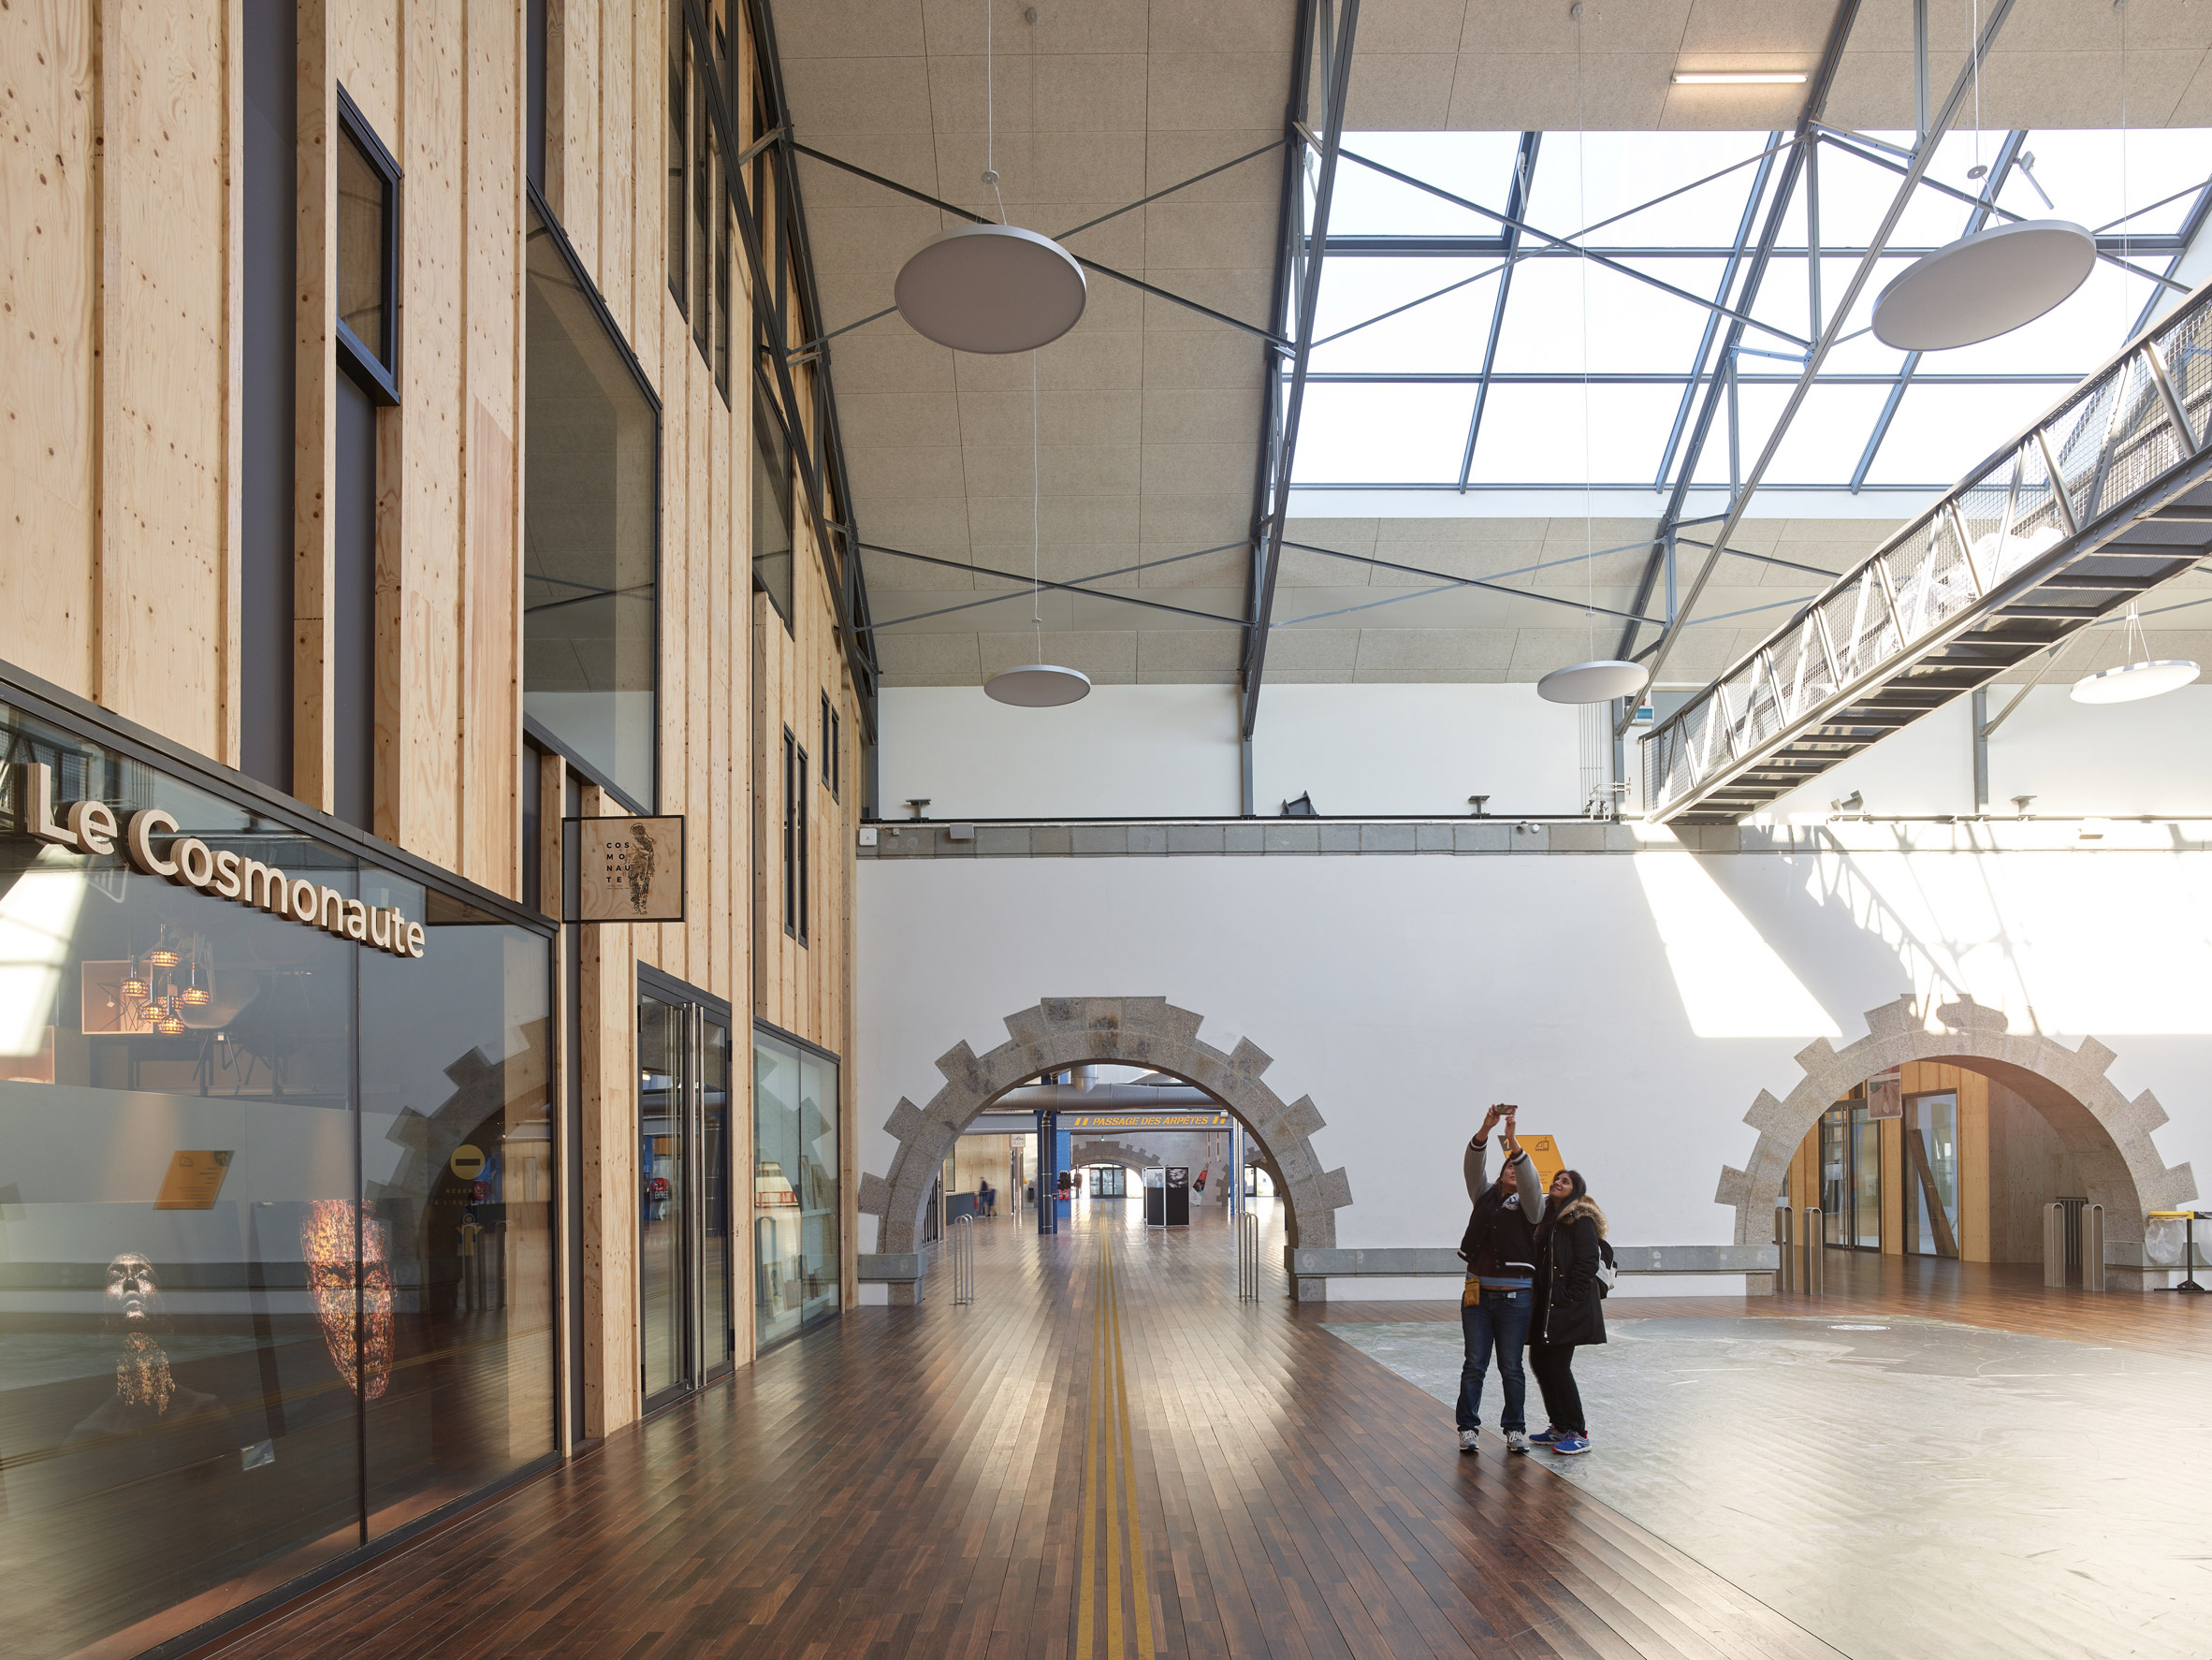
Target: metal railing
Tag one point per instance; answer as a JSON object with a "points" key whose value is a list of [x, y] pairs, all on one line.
{"points": [[960, 1255], [1249, 1258], [2126, 439]]}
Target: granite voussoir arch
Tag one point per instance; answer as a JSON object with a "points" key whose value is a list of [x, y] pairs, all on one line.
{"points": [[1061, 1032]]}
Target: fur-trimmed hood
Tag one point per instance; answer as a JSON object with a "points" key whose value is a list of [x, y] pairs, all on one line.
{"points": [[1585, 1206]]}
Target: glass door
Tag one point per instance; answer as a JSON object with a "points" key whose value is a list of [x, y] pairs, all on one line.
{"points": [[664, 1130], [796, 1245], [686, 1324], [1931, 1175], [1850, 1177]]}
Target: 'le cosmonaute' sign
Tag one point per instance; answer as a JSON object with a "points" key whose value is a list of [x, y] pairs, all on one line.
{"points": [[91, 827]]}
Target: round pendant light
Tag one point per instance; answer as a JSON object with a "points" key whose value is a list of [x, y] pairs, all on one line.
{"points": [[1593, 682], [1985, 284], [2132, 681], [991, 288], [1039, 686]]}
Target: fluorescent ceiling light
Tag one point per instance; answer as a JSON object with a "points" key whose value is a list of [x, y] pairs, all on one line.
{"points": [[1738, 78]]}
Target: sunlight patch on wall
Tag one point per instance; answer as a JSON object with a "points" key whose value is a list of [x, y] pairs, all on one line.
{"points": [[1731, 982], [37, 918]]}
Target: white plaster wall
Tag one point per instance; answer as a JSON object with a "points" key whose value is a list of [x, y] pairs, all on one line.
{"points": [[1634, 1005], [2115, 759], [1136, 752], [1415, 749]]}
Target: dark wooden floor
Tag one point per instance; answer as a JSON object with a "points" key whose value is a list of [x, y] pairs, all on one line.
{"points": [[1119, 1440]]}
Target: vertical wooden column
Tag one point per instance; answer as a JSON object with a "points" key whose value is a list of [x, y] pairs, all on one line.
{"points": [[314, 430], [607, 1165]]}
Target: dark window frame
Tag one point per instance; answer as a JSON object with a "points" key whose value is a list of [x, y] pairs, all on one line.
{"points": [[806, 850], [765, 402], [600, 308], [791, 896], [375, 365], [678, 209], [829, 749], [837, 747]]}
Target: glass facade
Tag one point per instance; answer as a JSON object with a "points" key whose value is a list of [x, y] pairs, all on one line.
{"points": [[1850, 1176], [276, 1249], [591, 532], [795, 1205], [1931, 1175]]}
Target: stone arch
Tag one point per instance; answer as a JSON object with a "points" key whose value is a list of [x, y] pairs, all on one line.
{"points": [[2108, 1135], [1062, 1032]]}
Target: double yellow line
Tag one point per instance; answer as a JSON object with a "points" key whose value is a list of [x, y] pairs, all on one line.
{"points": [[1109, 1431]]}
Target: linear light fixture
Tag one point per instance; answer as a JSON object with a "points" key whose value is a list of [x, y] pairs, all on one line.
{"points": [[1738, 78]]}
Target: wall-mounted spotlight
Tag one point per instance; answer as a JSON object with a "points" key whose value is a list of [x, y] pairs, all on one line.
{"points": [[1301, 809], [2022, 803], [1478, 802], [918, 803], [1853, 803]]}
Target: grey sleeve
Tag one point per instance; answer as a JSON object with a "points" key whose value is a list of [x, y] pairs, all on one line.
{"points": [[1476, 1164], [1532, 1190]]}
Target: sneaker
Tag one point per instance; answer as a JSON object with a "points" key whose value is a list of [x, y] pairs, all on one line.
{"points": [[1470, 1440], [1544, 1438], [1571, 1444], [1516, 1441]]}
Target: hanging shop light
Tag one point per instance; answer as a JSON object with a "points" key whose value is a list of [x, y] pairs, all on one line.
{"points": [[991, 288], [2130, 682], [1985, 284], [1593, 682]]}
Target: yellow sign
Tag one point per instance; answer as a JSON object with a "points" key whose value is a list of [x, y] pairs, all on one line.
{"points": [[1544, 1152], [467, 1161], [192, 1181], [1097, 1121]]}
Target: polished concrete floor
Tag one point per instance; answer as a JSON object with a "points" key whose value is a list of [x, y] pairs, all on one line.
{"points": [[1108, 1455]]}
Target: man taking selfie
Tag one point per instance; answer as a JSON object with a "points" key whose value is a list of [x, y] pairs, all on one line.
{"points": [[1499, 1248]]}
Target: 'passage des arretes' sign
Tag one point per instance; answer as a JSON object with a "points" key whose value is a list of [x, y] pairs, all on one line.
{"points": [[150, 841]]}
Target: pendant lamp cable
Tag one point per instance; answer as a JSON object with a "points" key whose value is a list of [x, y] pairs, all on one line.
{"points": [[991, 117], [2126, 229], [1036, 538], [1582, 275], [1973, 51]]}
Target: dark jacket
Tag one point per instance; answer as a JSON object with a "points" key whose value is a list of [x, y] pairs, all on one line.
{"points": [[1569, 1308], [1500, 1241]]}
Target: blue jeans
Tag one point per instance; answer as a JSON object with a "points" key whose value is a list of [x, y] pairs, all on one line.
{"points": [[1499, 1321]]}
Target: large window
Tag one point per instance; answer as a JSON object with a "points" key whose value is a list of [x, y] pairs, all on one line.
{"points": [[591, 502], [698, 217], [275, 1208], [795, 1228], [771, 506]]}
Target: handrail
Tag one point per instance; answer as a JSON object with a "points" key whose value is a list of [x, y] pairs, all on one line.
{"points": [[2119, 445], [961, 1249]]}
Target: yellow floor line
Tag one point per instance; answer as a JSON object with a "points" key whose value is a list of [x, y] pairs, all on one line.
{"points": [[1086, 1601], [1139, 1583]]}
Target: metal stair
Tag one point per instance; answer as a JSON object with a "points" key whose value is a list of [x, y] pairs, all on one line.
{"points": [[2005, 566]]}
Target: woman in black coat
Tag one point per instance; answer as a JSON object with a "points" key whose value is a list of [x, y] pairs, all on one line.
{"points": [[1570, 1307]]}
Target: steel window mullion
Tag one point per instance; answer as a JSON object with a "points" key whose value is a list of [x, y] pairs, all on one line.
{"points": [[1516, 201]]}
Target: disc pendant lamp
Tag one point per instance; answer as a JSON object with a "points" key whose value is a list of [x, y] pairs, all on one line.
{"points": [[994, 289], [2130, 682], [1599, 682], [1985, 284]]}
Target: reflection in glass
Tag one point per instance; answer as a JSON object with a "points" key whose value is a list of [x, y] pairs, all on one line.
{"points": [[717, 1335], [1931, 1175], [222, 1269], [591, 496], [771, 505], [796, 1233]]}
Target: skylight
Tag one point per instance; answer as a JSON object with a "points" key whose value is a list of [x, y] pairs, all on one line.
{"points": [[1500, 319]]}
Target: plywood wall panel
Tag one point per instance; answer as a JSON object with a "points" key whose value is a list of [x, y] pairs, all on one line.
{"points": [[699, 630], [162, 323], [579, 127], [618, 192], [50, 226], [432, 267], [365, 43]]}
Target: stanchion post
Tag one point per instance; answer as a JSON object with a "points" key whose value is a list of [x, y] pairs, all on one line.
{"points": [[2054, 1245], [1786, 1270], [2092, 1248], [1816, 1264]]}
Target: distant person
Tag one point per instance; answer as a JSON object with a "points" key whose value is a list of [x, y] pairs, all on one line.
{"points": [[1570, 1308], [1029, 1193], [1495, 1305], [987, 1199]]}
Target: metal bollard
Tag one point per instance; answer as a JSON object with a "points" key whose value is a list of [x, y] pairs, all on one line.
{"points": [[1785, 1272], [961, 1247], [2092, 1248], [1249, 1258], [1816, 1258], [2054, 1245]]}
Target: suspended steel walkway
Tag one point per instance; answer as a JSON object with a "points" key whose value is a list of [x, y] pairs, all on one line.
{"points": [[2006, 566]]}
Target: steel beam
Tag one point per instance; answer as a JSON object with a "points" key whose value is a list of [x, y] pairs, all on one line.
{"points": [[1524, 176], [1307, 250], [1923, 155]]}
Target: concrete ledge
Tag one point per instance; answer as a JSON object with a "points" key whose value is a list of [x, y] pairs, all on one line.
{"points": [[1394, 1262], [891, 1268]]}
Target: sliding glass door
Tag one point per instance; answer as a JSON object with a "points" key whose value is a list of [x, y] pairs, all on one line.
{"points": [[685, 1319]]}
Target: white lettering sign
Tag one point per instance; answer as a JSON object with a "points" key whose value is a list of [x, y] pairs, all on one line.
{"points": [[91, 827]]}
